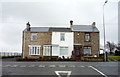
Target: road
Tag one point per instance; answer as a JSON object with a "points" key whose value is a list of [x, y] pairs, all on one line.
{"points": [[60, 69]]}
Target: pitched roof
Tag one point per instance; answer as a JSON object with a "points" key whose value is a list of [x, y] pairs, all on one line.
{"points": [[75, 28], [84, 28], [60, 29], [38, 29]]}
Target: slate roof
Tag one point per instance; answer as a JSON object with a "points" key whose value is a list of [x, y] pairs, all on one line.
{"points": [[84, 28], [38, 29], [75, 28], [60, 29]]}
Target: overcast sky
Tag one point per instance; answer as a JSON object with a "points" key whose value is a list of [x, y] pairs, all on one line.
{"points": [[47, 13]]}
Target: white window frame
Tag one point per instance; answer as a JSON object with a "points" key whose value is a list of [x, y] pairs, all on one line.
{"points": [[55, 50], [33, 34], [87, 36], [34, 49], [62, 35], [47, 50], [64, 47], [87, 47]]}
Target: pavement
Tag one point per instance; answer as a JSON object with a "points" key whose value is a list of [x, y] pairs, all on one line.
{"points": [[60, 69]]}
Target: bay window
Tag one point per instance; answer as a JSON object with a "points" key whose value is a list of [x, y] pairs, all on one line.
{"points": [[34, 49], [46, 50], [63, 51]]}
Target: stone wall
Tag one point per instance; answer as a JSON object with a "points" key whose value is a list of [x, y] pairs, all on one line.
{"points": [[42, 39], [79, 38], [46, 38]]}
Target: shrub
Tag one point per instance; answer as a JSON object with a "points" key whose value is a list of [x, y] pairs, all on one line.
{"points": [[7, 57], [40, 59], [93, 59], [20, 59], [117, 53]]}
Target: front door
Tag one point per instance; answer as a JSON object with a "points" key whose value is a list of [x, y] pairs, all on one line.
{"points": [[77, 50]]}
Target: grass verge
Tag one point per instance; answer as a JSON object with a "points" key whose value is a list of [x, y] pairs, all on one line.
{"points": [[113, 58]]}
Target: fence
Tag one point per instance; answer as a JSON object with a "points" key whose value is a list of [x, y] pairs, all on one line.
{"points": [[10, 54]]}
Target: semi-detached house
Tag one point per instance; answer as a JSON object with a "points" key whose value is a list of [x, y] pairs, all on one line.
{"points": [[77, 41]]}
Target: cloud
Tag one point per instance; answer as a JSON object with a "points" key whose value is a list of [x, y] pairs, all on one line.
{"points": [[53, 13]]}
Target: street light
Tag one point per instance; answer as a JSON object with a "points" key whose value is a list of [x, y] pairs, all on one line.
{"points": [[104, 30]]}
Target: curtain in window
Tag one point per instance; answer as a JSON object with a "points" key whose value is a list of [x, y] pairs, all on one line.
{"points": [[87, 50], [55, 50], [34, 36], [47, 50], [62, 37], [63, 51], [87, 37], [34, 50]]}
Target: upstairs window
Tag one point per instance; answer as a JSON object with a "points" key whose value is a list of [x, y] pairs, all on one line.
{"points": [[34, 36], [87, 50], [62, 36], [87, 36]]}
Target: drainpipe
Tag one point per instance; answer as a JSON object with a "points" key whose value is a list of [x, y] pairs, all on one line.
{"points": [[51, 51], [23, 45]]}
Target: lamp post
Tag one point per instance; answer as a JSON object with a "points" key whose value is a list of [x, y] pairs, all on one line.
{"points": [[104, 30]]}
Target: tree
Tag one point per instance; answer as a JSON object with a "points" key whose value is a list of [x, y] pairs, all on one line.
{"points": [[118, 46], [111, 46]]}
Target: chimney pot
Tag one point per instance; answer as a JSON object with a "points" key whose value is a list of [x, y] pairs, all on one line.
{"points": [[93, 24], [28, 26], [71, 22]]}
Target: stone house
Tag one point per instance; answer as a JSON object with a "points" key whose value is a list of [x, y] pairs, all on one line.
{"points": [[77, 40]]}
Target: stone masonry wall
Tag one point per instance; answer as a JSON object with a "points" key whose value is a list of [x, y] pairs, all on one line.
{"points": [[46, 38], [42, 39], [79, 38]]}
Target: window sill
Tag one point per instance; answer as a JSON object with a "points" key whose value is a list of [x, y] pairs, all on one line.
{"points": [[35, 55], [46, 55]]}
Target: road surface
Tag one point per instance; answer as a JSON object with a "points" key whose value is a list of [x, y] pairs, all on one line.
{"points": [[60, 69]]}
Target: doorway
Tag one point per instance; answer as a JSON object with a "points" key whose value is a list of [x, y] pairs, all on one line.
{"points": [[78, 51]]}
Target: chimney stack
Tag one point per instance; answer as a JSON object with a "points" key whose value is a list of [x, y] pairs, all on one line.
{"points": [[71, 23], [93, 24], [28, 26]]}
